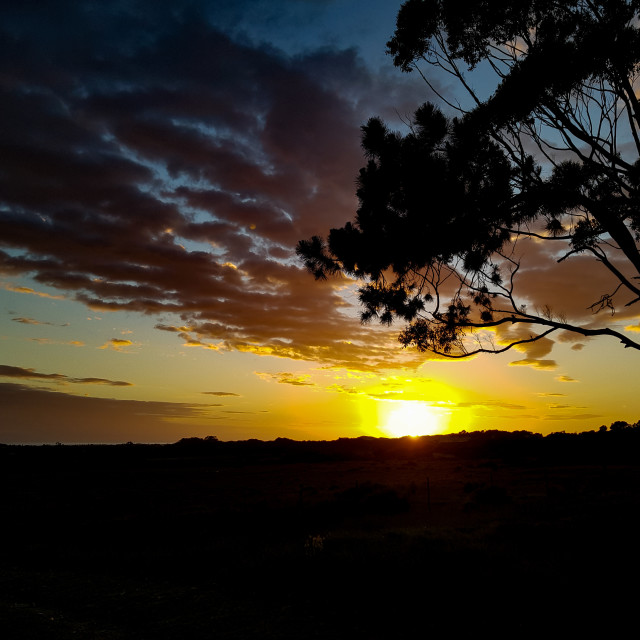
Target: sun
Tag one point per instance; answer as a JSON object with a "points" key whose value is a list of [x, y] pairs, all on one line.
{"points": [[410, 418]]}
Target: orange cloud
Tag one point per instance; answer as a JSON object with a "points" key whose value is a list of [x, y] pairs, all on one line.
{"points": [[286, 378], [536, 363], [116, 344], [31, 291]]}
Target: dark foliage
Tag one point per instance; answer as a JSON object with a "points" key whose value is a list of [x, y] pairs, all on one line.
{"points": [[492, 533], [551, 154]]}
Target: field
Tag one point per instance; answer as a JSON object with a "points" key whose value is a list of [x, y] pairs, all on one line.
{"points": [[509, 534]]}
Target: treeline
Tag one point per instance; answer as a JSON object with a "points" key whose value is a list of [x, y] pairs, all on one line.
{"points": [[619, 442]]}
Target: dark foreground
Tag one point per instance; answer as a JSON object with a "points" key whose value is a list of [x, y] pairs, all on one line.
{"points": [[509, 534]]}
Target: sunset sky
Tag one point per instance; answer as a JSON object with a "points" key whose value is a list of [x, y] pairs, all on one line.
{"points": [[158, 164]]}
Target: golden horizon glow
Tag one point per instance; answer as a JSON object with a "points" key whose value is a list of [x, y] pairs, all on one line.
{"points": [[410, 418]]}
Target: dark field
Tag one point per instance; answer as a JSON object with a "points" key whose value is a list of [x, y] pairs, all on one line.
{"points": [[507, 534]]}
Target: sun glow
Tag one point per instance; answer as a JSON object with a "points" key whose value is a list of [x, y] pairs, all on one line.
{"points": [[410, 418]]}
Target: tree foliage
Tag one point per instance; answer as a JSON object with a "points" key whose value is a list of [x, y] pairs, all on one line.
{"points": [[551, 154]]}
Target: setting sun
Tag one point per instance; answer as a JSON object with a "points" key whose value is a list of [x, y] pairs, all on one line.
{"points": [[410, 418]]}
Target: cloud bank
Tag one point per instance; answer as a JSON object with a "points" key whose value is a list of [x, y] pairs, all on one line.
{"points": [[152, 164]]}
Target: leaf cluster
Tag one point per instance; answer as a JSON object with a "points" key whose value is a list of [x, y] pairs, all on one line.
{"points": [[555, 148]]}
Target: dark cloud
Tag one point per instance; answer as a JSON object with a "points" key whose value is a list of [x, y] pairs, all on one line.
{"points": [[7, 371], [40, 416], [221, 394], [150, 163]]}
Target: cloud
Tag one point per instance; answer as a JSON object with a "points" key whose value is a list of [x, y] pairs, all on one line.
{"points": [[29, 290], [578, 282], [221, 394], [40, 416], [535, 363], [73, 343], [552, 395], [116, 344], [7, 371], [22, 320], [566, 379], [565, 406], [573, 416], [158, 184], [489, 404], [341, 388], [112, 383], [284, 377]]}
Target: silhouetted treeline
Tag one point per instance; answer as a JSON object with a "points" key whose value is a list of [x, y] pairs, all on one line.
{"points": [[620, 442]]}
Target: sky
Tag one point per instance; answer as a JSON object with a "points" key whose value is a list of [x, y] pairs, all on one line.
{"points": [[159, 162]]}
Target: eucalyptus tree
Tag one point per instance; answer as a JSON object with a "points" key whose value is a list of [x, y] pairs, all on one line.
{"points": [[550, 152]]}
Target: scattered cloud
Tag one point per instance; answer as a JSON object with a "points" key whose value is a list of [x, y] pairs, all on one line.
{"points": [[287, 378], [552, 395], [341, 388], [566, 379]]}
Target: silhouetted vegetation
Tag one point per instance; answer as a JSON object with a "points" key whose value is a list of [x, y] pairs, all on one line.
{"points": [[551, 153], [351, 538]]}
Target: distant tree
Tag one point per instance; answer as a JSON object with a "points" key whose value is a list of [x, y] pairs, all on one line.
{"points": [[619, 425], [551, 154]]}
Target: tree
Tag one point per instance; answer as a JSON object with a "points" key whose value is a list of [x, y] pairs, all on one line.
{"points": [[551, 154]]}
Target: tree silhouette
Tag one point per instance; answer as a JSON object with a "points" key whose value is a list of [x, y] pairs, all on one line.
{"points": [[551, 154]]}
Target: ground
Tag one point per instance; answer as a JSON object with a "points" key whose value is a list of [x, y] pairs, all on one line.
{"points": [[370, 539]]}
